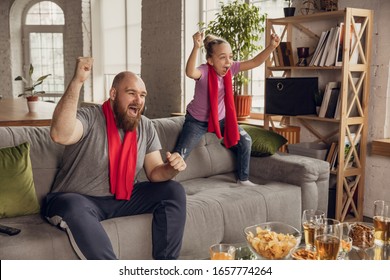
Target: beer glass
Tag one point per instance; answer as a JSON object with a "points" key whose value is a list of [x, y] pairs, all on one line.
{"points": [[310, 218], [328, 239], [382, 222]]}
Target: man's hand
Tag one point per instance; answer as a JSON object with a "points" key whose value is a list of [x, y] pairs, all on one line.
{"points": [[83, 68], [176, 161]]}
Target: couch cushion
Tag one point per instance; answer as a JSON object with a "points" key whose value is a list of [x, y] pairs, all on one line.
{"points": [[45, 155], [37, 240], [219, 210], [17, 191], [264, 142]]}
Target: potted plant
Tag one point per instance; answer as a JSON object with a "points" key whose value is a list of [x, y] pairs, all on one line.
{"points": [[241, 25], [289, 11], [29, 87]]}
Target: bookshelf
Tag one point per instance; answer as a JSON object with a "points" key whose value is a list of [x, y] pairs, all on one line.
{"points": [[353, 74]]}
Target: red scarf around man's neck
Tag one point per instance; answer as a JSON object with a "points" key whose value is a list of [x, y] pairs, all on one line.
{"points": [[122, 156], [231, 134]]}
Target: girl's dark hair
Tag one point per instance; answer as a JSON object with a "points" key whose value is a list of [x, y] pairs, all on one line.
{"points": [[209, 42]]}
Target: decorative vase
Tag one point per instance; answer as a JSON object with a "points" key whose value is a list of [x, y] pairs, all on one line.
{"points": [[243, 105], [32, 104], [289, 11]]}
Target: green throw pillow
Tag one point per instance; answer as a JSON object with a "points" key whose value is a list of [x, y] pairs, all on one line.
{"points": [[264, 142], [17, 190]]}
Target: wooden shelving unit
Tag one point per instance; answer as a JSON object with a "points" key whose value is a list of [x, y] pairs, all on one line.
{"points": [[354, 93]]}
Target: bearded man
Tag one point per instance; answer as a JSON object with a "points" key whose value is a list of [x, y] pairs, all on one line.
{"points": [[105, 149]]}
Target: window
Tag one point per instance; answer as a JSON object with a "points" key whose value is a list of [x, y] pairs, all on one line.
{"points": [[273, 9], [44, 48]]}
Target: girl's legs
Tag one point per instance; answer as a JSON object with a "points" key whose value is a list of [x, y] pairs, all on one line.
{"points": [[243, 152], [190, 135], [243, 155]]}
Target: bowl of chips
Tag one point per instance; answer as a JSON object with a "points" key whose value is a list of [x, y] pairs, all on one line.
{"points": [[303, 253], [272, 240]]}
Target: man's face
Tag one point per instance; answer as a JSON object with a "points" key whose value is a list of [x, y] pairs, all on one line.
{"points": [[129, 102]]}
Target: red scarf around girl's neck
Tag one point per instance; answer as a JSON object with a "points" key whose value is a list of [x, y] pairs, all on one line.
{"points": [[231, 134], [122, 156]]}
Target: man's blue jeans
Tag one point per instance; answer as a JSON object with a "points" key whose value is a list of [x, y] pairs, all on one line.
{"points": [[192, 132]]}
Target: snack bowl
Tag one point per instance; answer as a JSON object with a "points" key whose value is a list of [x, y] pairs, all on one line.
{"points": [[303, 253], [272, 240], [362, 235]]}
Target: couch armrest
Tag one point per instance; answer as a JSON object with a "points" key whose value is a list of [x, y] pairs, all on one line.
{"points": [[312, 175]]}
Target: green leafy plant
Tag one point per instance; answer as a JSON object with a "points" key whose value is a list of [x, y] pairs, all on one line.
{"points": [[30, 84], [289, 3], [241, 25]]}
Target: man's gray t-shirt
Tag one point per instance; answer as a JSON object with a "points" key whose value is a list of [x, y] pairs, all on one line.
{"points": [[84, 167]]}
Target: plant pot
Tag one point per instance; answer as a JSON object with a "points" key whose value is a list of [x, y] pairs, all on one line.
{"points": [[243, 105], [32, 104], [289, 11]]}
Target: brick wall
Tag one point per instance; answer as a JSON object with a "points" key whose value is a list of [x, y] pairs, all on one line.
{"points": [[5, 50], [73, 36], [161, 56]]}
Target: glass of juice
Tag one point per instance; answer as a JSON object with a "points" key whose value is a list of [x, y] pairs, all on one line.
{"points": [[222, 252]]}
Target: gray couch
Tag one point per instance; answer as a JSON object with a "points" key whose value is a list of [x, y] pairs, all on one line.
{"points": [[217, 209]]}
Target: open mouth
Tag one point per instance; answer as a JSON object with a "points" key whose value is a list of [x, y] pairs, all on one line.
{"points": [[133, 110], [225, 70]]}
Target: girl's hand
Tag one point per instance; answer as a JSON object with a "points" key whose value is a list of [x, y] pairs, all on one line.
{"points": [[198, 39], [275, 40]]}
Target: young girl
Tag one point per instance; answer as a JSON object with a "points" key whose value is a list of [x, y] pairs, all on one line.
{"points": [[212, 108]]}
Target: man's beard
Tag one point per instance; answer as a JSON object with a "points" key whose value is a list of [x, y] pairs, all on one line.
{"points": [[123, 121]]}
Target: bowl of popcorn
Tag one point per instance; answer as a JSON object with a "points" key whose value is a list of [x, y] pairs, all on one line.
{"points": [[272, 240]]}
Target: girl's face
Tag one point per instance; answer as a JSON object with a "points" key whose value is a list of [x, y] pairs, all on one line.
{"points": [[221, 59]]}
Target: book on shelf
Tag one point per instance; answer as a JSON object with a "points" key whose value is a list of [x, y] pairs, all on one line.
{"points": [[275, 58], [334, 157], [331, 56], [285, 54], [331, 152], [327, 96], [332, 102], [338, 108], [347, 149], [327, 47], [340, 43], [319, 49]]}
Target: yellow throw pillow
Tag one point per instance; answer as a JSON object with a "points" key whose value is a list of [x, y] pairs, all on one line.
{"points": [[17, 190]]}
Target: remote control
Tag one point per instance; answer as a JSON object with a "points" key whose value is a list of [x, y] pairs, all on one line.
{"points": [[9, 230]]}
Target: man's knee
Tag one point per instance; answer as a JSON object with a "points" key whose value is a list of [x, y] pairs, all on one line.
{"points": [[67, 205], [176, 191]]}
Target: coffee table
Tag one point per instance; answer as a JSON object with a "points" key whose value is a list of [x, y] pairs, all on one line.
{"points": [[375, 253]]}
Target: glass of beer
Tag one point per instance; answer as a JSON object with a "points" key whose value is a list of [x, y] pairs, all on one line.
{"points": [[222, 252], [382, 222], [310, 218], [328, 239]]}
